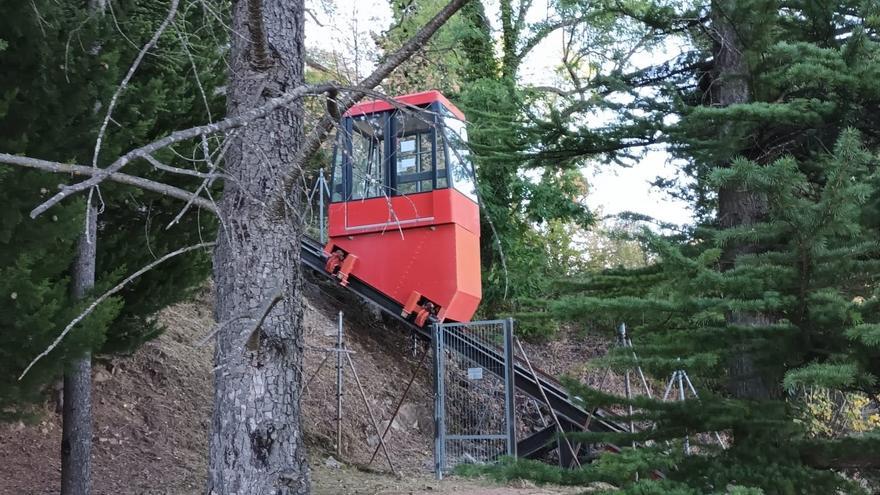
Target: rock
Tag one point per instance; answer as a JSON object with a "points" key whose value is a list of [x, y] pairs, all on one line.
{"points": [[415, 417], [101, 376], [521, 483], [396, 425], [332, 463]]}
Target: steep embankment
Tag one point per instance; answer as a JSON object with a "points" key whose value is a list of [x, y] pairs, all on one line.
{"points": [[152, 410]]}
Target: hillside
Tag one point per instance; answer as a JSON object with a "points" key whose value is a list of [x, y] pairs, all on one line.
{"points": [[152, 411]]}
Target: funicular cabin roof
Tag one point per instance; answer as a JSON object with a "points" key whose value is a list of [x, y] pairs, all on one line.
{"points": [[414, 99]]}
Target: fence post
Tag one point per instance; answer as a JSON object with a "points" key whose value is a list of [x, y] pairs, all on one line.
{"points": [[509, 390], [439, 406], [321, 186], [339, 388]]}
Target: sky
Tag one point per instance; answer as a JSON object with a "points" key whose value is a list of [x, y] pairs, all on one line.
{"points": [[346, 27]]}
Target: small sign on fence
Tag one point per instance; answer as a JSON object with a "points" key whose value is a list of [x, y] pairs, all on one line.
{"points": [[475, 373]]}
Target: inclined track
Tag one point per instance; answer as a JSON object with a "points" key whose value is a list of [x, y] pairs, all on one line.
{"points": [[572, 416]]}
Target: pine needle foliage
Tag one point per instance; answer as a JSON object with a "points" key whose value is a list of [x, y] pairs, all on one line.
{"points": [[801, 275], [61, 65], [818, 277]]}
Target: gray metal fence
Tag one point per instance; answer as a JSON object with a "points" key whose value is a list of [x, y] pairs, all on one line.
{"points": [[474, 395]]}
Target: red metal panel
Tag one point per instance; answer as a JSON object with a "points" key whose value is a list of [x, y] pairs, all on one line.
{"points": [[415, 99], [462, 210], [427, 243], [439, 258], [413, 210]]}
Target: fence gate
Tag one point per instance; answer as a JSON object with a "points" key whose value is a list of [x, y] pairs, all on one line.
{"points": [[474, 397]]}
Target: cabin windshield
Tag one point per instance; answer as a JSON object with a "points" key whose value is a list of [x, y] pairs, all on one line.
{"points": [[367, 152], [428, 151], [338, 191], [458, 155]]}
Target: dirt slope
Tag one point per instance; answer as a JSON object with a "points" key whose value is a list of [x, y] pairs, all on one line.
{"points": [[153, 410]]}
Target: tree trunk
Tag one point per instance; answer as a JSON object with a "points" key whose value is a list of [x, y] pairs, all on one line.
{"points": [[256, 444], [736, 206], [76, 435]]}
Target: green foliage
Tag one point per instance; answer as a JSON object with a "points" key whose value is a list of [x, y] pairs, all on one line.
{"points": [[519, 206], [828, 413], [60, 69], [790, 294]]}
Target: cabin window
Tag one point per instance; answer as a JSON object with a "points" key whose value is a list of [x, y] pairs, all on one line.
{"points": [[413, 161], [458, 155], [338, 190], [367, 152], [428, 151]]}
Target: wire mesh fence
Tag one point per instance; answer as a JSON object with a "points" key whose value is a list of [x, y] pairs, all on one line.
{"points": [[474, 409]]}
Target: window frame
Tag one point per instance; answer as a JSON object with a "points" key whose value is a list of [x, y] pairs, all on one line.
{"points": [[346, 142], [445, 114], [431, 109], [438, 144]]}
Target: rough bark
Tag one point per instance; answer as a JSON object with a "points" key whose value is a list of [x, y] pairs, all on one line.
{"points": [[737, 206], [76, 435], [256, 442], [76, 409]]}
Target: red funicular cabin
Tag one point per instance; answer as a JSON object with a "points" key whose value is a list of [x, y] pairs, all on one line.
{"points": [[404, 217]]}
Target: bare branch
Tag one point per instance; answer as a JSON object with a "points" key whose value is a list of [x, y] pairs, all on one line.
{"points": [[253, 341], [132, 180], [318, 66], [209, 180], [175, 137], [325, 125], [172, 11], [106, 295], [175, 170], [259, 317], [313, 16], [204, 340]]}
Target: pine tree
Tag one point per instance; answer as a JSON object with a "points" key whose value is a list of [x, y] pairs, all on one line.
{"points": [[60, 69], [775, 291]]}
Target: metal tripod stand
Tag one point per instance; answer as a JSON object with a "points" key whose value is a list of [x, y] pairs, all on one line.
{"points": [[678, 381], [623, 340]]}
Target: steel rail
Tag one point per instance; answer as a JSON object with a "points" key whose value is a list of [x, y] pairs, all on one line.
{"points": [[312, 256]]}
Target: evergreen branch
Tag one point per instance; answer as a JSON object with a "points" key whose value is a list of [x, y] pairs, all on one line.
{"points": [[861, 452], [545, 31], [105, 296], [132, 180]]}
